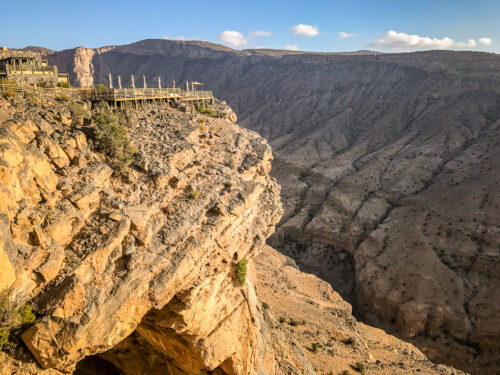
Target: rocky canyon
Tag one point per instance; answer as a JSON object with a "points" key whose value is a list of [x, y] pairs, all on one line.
{"points": [[388, 166], [160, 267]]}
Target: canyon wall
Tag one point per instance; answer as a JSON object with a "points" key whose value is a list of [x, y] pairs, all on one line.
{"points": [[389, 171]]}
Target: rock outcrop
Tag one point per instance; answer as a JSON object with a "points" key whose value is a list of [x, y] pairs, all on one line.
{"points": [[388, 166], [107, 261]]}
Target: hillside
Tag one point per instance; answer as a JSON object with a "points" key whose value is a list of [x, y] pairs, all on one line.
{"points": [[138, 270], [389, 171]]}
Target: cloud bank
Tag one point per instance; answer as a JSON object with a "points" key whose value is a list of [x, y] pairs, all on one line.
{"points": [[291, 47], [305, 30], [233, 38], [393, 40]]}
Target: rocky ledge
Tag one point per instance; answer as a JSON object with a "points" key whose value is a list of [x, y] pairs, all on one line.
{"points": [[108, 262]]}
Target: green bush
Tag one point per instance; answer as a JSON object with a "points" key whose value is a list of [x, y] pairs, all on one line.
{"points": [[282, 319], [64, 85], [101, 87], [207, 111], [64, 98], [27, 315], [111, 137], [4, 338], [194, 194], [240, 270], [78, 111], [13, 321], [265, 305]]}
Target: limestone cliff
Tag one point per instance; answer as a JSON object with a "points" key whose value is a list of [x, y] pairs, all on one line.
{"points": [[135, 274], [149, 258]]}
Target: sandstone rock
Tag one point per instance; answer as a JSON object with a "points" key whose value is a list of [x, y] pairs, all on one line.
{"points": [[139, 215], [7, 272], [86, 198]]}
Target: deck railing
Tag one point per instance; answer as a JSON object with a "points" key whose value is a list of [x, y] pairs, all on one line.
{"points": [[108, 94], [145, 93]]}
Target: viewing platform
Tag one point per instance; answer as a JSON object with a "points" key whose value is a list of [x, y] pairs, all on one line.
{"points": [[145, 94], [117, 97]]}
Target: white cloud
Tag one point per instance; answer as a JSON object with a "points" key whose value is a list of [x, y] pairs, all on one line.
{"points": [[306, 30], [469, 44], [406, 42], [485, 41], [233, 38], [259, 33], [291, 47], [345, 35], [174, 37]]}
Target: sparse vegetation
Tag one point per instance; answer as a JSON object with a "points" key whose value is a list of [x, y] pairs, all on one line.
{"points": [[207, 111], [350, 341], [78, 111], [101, 87], [111, 137], [314, 347], [240, 270], [202, 127], [293, 322], [13, 321], [359, 367], [64, 98], [228, 183], [64, 85], [265, 305], [282, 319], [194, 194]]}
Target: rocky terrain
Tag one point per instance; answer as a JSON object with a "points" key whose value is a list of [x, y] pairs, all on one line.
{"points": [[389, 171], [137, 273], [109, 262]]}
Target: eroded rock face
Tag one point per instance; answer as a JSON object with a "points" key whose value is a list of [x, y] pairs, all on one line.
{"points": [[106, 260]]}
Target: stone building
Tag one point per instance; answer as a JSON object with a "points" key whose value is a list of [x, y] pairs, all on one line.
{"points": [[29, 67]]}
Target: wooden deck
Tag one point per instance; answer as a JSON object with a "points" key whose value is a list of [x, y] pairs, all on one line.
{"points": [[113, 96], [131, 94]]}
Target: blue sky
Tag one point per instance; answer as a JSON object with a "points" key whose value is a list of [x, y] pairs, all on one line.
{"points": [[391, 25]]}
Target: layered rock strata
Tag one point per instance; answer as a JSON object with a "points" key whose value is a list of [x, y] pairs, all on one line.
{"points": [[150, 258]]}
